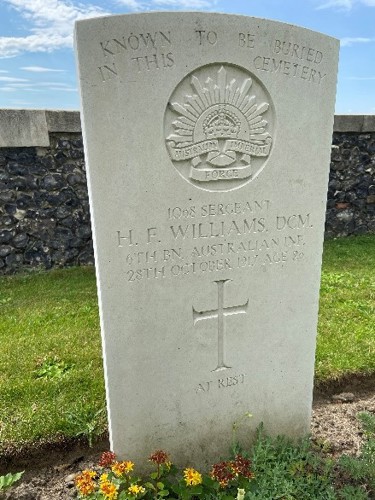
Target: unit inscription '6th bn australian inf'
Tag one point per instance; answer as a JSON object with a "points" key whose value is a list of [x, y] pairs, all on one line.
{"points": [[212, 238]]}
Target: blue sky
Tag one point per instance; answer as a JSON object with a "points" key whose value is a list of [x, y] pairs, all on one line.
{"points": [[37, 67]]}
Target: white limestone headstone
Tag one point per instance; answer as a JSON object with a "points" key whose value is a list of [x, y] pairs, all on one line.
{"points": [[207, 142]]}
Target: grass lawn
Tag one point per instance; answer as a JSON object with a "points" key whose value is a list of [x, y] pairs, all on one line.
{"points": [[51, 378], [346, 329]]}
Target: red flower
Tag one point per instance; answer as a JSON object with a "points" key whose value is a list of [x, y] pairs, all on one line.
{"points": [[107, 459], [241, 466], [159, 457], [225, 472], [222, 473]]}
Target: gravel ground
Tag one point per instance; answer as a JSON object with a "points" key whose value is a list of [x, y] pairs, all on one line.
{"points": [[50, 473]]}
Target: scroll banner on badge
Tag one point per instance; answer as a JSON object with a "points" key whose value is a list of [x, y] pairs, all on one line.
{"points": [[220, 174], [197, 149], [237, 145]]}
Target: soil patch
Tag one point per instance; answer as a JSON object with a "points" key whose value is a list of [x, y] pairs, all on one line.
{"points": [[51, 468]]}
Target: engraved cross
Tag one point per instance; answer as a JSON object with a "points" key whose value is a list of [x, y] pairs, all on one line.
{"points": [[220, 314]]}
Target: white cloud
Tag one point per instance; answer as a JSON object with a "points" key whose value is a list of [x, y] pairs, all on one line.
{"points": [[349, 41], [55, 84], [346, 5], [338, 4], [37, 84], [186, 4], [11, 79], [62, 89], [3, 71], [137, 5], [51, 21], [20, 85], [51, 25], [41, 69], [29, 89], [20, 103], [7, 89]]}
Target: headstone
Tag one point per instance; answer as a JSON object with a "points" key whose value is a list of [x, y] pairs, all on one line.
{"points": [[207, 142]]}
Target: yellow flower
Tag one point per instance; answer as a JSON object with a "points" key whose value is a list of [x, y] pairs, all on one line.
{"points": [[240, 494], [109, 490], [192, 477], [134, 489], [103, 478], [120, 468]]}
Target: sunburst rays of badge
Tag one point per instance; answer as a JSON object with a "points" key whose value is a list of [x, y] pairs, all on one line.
{"points": [[219, 93]]}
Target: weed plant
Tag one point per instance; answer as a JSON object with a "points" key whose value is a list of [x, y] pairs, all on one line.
{"points": [[274, 468]]}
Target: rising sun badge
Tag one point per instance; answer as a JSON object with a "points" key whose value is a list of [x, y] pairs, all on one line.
{"points": [[219, 127]]}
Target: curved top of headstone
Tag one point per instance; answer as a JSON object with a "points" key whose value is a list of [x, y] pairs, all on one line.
{"points": [[207, 141], [225, 77]]}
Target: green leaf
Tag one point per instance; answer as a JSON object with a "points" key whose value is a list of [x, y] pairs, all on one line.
{"points": [[176, 488], [9, 479], [160, 485], [163, 493], [150, 486], [210, 483], [196, 490]]}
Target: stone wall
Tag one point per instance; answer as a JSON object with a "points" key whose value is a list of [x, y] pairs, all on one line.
{"points": [[44, 211], [351, 188]]}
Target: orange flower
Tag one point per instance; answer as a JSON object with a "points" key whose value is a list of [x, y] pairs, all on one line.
{"points": [[109, 490], [121, 468], [84, 482]]}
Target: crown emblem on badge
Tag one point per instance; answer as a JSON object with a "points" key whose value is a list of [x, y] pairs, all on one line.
{"points": [[221, 123], [219, 127]]}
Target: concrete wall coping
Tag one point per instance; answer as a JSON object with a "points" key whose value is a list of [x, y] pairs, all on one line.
{"points": [[354, 123], [31, 127]]}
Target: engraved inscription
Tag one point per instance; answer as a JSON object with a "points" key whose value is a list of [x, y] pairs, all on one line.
{"points": [[154, 61], [214, 238], [298, 51], [206, 37], [220, 313], [218, 127], [146, 51], [246, 40], [221, 383], [231, 381], [108, 71], [293, 222], [134, 42], [302, 62]]}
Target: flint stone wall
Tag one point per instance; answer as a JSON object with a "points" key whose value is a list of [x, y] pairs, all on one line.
{"points": [[44, 210], [351, 188]]}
